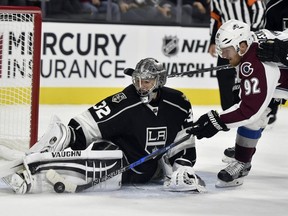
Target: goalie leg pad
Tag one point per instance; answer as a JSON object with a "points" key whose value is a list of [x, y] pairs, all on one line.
{"points": [[75, 168], [56, 138]]}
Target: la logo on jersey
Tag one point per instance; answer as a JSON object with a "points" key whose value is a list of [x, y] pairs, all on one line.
{"points": [[155, 138]]}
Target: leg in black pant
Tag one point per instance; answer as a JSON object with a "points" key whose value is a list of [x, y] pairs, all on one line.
{"points": [[226, 81]]}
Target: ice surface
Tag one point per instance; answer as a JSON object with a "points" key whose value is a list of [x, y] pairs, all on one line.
{"points": [[265, 190]]}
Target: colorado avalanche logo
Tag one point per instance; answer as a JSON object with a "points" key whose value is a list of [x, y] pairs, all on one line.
{"points": [[246, 69], [170, 46], [118, 97]]}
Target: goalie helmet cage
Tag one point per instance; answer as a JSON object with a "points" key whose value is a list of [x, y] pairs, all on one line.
{"points": [[20, 47]]}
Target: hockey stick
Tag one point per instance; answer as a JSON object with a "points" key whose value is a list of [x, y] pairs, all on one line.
{"points": [[61, 184], [221, 67]]}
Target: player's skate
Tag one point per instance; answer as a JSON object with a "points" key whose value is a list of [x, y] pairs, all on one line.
{"points": [[233, 175], [229, 155], [56, 138]]}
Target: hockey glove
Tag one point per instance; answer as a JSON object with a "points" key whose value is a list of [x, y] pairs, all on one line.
{"points": [[184, 178], [207, 125], [273, 50]]}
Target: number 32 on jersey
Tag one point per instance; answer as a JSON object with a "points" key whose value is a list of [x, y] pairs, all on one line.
{"points": [[102, 109]]}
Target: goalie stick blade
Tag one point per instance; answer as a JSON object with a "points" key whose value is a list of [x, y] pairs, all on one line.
{"points": [[11, 167]]}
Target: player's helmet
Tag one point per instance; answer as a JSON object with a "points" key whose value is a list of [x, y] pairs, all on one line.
{"points": [[147, 69], [232, 33]]}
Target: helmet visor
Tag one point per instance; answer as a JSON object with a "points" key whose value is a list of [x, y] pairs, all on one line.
{"points": [[144, 83]]}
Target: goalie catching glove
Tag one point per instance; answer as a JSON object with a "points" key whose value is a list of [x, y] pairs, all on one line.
{"points": [[274, 50], [183, 178], [207, 125]]}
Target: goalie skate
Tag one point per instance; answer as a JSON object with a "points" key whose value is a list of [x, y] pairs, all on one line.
{"points": [[20, 181]]}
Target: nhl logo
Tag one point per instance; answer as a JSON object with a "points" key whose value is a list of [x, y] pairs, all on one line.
{"points": [[170, 45], [118, 97]]}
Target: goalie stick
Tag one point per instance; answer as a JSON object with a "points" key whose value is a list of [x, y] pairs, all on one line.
{"points": [[129, 71], [221, 67], [61, 184]]}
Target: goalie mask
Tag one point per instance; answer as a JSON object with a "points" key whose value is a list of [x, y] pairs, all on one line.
{"points": [[148, 77], [232, 33]]}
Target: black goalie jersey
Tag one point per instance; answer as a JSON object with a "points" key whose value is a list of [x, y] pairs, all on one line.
{"points": [[137, 128]]}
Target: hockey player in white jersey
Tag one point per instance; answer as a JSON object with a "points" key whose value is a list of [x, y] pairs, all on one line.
{"points": [[142, 118]]}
